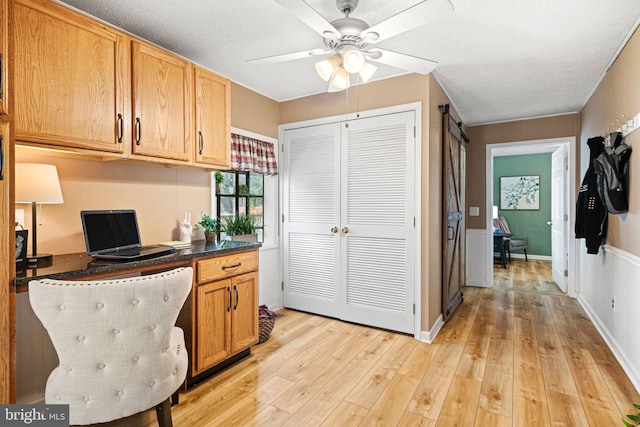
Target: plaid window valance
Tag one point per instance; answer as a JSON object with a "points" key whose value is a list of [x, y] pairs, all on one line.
{"points": [[248, 154]]}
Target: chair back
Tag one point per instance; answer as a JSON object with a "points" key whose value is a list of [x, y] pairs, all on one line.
{"points": [[119, 352]]}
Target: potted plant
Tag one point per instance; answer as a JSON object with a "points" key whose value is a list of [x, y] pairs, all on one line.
{"points": [[633, 417], [219, 178], [211, 227], [241, 228]]}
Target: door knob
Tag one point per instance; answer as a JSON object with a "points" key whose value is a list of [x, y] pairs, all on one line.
{"points": [[549, 222], [334, 229], [345, 230]]}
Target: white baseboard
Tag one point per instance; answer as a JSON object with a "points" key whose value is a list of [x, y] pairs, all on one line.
{"points": [[540, 257], [429, 336]]}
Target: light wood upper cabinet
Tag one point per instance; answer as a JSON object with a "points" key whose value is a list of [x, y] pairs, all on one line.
{"points": [[213, 119], [71, 81], [162, 103], [4, 50]]}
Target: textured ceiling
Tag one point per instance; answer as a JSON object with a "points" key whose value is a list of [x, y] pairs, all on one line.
{"points": [[499, 60]]}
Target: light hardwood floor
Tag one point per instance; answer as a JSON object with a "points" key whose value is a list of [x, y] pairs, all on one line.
{"points": [[533, 275], [506, 358]]}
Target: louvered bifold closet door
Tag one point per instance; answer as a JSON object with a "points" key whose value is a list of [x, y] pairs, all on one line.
{"points": [[311, 217], [377, 227]]}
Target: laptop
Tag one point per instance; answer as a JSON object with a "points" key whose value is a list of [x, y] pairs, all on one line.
{"points": [[114, 235]]}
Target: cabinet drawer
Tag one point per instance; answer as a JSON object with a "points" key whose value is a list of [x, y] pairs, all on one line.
{"points": [[226, 266]]}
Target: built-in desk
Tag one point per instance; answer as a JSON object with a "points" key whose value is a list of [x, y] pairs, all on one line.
{"points": [[215, 335]]}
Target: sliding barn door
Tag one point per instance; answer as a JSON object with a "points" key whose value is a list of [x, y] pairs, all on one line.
{"points": [[348, 198], [377, 221], [453, 211], [311, 219]]}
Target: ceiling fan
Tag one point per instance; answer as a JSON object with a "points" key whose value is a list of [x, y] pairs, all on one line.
{"points": [[348, 40]]}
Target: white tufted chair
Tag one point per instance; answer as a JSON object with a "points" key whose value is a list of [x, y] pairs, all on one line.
{"points": [[118, 349]]}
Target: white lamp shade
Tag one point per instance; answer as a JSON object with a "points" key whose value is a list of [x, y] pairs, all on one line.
{"points": [[38, 183], [367, 71], [326, 68], [495, 212], [340, 80], [353, 61]]}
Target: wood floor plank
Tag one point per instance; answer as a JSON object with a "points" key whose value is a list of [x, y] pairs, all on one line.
{"points": [[474, 356], [496, 394], [409, 419], [487, 418], [433, 388], [565, 410], [268, 417], [419, 360], [346, 415], [373, 384], [392, 403], [461, 404]]}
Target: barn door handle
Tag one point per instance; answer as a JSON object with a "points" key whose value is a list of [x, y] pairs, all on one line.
{"points": [[450, 232]]}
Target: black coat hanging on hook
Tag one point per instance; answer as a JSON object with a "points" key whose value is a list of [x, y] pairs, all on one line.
{"points": [[611, 168], [591, 215]]}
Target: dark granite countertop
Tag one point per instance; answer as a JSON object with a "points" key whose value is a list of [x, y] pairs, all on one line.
{"points": [[81, 265]]}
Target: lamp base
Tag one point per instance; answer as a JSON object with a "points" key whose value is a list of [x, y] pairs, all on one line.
{"points": [[39, 260]]}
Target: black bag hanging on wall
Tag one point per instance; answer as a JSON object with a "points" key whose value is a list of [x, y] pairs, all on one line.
{"points": [[591, 215], [612, 174]]}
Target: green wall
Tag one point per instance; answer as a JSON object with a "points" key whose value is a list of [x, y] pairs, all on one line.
{"points": [[523, 223]]}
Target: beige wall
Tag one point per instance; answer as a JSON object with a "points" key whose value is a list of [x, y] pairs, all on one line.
{"points": [[385, 93], [618, 94], [522, 130], [160, 195]]}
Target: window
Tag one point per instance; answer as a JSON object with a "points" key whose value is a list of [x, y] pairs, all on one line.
{"points": [[242, 193]]}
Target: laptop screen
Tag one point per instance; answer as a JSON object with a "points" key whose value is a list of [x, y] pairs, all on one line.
{"points": [[110, 230]]}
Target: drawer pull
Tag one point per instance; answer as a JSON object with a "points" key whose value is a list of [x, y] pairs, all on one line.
{"points": [[224, 267], [229, 290]]}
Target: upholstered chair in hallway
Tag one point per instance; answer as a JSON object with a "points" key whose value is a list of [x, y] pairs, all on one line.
{"points": [[118, 348], [512, 243]]}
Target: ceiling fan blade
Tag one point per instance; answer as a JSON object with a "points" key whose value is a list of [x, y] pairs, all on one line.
{"points": [[408, 19], [289, 57], [401, 60], [305, 13]]}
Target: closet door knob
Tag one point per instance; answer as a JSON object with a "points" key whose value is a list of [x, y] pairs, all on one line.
{"points": [[345, 230], [334, 229]]}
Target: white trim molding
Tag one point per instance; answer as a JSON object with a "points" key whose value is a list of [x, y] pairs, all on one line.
{"points": [[609, 292], [431, 334]]}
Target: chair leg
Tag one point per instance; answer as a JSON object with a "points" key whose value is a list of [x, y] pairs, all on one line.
{"points": [[175, 398], [163, 412], [525, 255]]}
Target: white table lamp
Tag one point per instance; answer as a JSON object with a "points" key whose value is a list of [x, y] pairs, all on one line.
{"points": [[37, 184]]}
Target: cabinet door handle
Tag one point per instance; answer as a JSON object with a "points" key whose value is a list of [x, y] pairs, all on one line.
{"points": [[201, 142], [120, 128], [224, 267], [229, 290], [235, 288], [138, 130], [1, 158]]}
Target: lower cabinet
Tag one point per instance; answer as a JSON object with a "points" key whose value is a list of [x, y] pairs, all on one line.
{"points": [[225, 310]]}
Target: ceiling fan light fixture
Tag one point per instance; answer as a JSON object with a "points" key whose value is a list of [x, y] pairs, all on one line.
{"points": [[340, 80], [353, 61], [367, 71], [327, 67]]}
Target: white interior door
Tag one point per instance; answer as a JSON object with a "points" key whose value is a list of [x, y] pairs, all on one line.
{"points": [[311, 208], [376, 228], [558, 218], [348, 224]]}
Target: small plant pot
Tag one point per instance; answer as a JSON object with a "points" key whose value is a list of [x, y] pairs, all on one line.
{"points": [[211, 237], [245, 237]]}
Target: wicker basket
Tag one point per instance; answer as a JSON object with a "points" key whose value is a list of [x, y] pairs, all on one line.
{"points": [[265, 326]]}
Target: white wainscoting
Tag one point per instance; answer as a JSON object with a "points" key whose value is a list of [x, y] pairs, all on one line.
{"points": [[476, 258], [609, 286]]}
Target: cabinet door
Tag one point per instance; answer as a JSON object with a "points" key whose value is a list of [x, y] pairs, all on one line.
{"points": [[71, 76], [8, 272], [213, 324], [162, 97], [213, 119], [4, 47], [244, 322]]}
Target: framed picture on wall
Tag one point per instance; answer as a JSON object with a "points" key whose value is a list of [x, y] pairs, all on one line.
{"points": [[520, 192]]}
